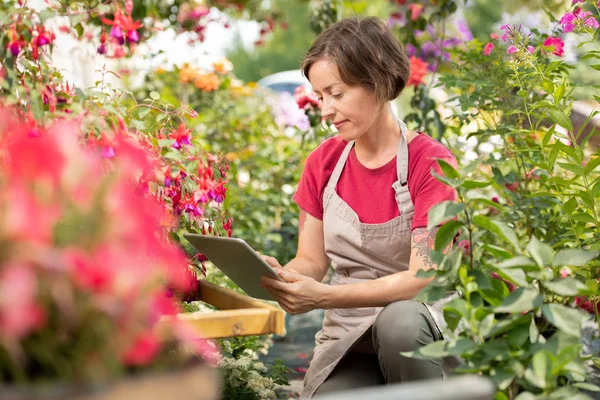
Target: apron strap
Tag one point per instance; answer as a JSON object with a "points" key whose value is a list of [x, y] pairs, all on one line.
{"points": [[402, 157], [339, 167], [405, 204]]}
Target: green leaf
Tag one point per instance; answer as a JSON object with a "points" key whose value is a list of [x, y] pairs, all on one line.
{"points": [[566, 286], [548, 135], [446, 234], [562, 119], [596, 67], [513, 275], [574, 257], [443, 212], [448, 169], [498, 228], [518, 261], [469, 184], [570, 206], [154, 95], [522, 299], [592, 165], [564, 318], [576, 169], [541, 252], [587, 386], [539, 363], [533, 331], [143, 112], [583, 217]]}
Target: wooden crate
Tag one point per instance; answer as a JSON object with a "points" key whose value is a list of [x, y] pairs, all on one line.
{"points": [[239, 315]]}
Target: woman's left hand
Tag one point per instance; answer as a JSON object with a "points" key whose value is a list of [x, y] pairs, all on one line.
{"points": [[297, 293]]}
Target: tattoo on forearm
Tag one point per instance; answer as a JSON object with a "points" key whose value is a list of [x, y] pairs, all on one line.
{"points": [[302, 220], [423, 242]]}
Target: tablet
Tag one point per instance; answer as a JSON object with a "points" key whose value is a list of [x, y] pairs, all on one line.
{"points": [[237, 260]]}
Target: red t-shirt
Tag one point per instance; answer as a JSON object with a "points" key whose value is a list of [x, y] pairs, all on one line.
{"points": [[368, 191]]}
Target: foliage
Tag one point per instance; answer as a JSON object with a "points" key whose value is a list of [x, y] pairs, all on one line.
{"points": [[283, 50], [150, 176], [528, 222]]}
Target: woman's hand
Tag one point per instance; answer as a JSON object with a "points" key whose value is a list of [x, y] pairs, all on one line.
{"points": [[297, 293]]}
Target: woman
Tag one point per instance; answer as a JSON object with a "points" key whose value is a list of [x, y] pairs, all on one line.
{"points": [[364, 197]]}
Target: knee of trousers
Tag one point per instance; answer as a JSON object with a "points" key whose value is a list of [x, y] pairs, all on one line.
{"points": [[402, 326]]}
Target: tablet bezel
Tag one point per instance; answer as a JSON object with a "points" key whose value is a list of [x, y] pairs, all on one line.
{"points": [[236, 259]]}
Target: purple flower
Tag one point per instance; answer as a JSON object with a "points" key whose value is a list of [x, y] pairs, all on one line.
{"points": [[465, 32], [101, 49], [410, 50]]}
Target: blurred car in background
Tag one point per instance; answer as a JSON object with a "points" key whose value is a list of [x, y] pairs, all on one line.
{"points": [[286, 81]]}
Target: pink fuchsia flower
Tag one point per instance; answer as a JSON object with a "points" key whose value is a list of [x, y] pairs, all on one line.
{"points": [[182, 136], [89, 272], [227, 225], [511, 50], [531, 49], [494, 36], [487, 49], [415, 10], [555, 45], [143, 350]]}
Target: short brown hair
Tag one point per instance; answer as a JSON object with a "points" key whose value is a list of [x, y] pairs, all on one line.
{"points": [[366, 53]]}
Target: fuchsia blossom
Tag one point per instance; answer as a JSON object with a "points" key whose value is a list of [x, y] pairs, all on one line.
{"points": [[531, 49], [511, 50], [487, 49], [182, 136], [555, 45]]}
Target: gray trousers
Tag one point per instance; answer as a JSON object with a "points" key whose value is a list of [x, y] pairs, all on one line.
{"points": [[401, 326]]}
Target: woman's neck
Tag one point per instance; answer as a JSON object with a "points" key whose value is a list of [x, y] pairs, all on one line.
{"points": [[380, 143]]}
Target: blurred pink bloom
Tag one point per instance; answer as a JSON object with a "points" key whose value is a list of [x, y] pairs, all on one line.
{"points": [[555, 45], [487, 49], [143, 350], [531, 49], [494, 36], [578, 1], [415, 10], [19, 312], [305, 97], [465, 245], [511, 50]]}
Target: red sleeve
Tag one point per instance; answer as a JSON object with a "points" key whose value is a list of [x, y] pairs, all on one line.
{"points": [[308, 195], [430, 192]]}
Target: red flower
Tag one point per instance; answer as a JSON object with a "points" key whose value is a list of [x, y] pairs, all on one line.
{"points": [[418, 70], [304, 97], [227, 225], [143, 350]]}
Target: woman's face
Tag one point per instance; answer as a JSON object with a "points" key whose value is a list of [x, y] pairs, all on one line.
{"points": [[352, 109]]}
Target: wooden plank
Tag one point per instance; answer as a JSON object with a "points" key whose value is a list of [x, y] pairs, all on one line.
{"points": [[227, 299], [241, 322], [240, 315]]}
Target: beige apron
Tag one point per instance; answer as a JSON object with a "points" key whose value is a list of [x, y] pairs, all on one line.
{"points": [[360, 252]]}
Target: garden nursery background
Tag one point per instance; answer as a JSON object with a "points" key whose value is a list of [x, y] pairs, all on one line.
{"points": [[125, 123]]}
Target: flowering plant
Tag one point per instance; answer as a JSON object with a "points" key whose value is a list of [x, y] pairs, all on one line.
{"points": [[527, 221], [85, 271]]}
